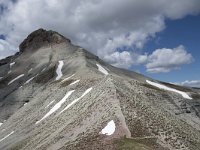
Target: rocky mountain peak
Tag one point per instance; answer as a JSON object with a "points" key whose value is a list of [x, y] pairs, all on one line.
{"points": [[57, 95], [41, 37]]}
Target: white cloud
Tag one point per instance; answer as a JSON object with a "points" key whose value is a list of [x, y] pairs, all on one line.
{"points": [[191, 83], [101, 26], [125, 59], [165, 60], [118, 59], [6, 49]]}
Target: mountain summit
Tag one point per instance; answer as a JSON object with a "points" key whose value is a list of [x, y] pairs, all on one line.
{"points": [[58, 96], [41, 38]]}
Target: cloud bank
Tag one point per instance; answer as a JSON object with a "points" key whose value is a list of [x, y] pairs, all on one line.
{"points": [[101, 26], [191, 83]]}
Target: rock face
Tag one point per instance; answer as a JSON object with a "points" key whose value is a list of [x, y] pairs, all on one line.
{"points": [[41, 38], [57, 96]]}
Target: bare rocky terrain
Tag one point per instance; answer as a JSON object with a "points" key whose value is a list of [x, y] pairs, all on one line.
{"points": [[58, 96]]}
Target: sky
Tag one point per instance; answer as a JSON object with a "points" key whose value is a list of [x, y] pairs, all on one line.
{"points": [[185, 31], [158, 38]]}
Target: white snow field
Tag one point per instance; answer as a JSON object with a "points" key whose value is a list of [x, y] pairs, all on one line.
{"points": [[11, 64], [67, 78], [50, 104], [74, 82], [101, 69], [59, 70], [1, 124], [57, 105], [6, 136], [185, 95], [76, 100], [15, 79], [109, 128]]}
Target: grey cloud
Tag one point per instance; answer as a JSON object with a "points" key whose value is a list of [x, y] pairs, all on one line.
{"points": [[191, 83], [6, 46], [101, 26]]}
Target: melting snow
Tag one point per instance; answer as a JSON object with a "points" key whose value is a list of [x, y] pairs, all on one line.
{"points": [[74, 82], [16, 78], [30, 70], [59, 70], [6, 136], [76, 100], [185, 95], [49, 104], [109, 128], [67, 78], [11, 64], [43, 69], [57, 106], [101, 69], [29, 80]]}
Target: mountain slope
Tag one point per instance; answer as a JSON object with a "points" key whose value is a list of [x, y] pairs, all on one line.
{"points": [[54, 95]]}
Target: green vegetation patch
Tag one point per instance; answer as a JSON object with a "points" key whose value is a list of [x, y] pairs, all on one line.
{"points": [[131, 144]]}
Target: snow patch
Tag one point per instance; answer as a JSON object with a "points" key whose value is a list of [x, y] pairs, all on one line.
{"points": [[1, 124], [74, 82], [109, 128], [101, 69], [184, 94], [6, 136], [11, 64], [49, 104], [44, 69], [76, 100], [67, 78], [15, 79], [59, 70], [30, 70], [29, 80], [57, 106]]}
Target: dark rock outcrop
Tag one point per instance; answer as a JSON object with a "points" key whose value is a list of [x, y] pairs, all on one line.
{"points": [[41, 38]]}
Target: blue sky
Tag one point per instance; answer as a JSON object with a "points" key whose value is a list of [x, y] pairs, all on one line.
{"points": [[157, 38], [185, 31]]}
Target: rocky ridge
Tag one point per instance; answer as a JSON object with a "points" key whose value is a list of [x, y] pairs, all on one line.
{"points": [[55, 95]]}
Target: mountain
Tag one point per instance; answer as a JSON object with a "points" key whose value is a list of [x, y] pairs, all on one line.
{"points": [[58, 96]]}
